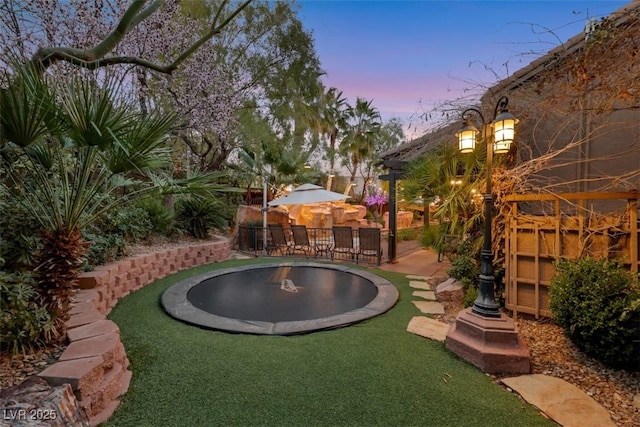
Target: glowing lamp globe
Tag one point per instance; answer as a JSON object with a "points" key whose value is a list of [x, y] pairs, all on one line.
{"points": [[504, 130], [467, 138]]}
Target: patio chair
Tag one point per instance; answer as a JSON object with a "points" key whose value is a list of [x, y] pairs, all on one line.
{"points": [[301, 239], [370, 244], [343, 242], [279, 241]]}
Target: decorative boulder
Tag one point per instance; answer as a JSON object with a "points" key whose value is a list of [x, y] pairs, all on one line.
{"points": [[450, 290], [253, 214], [34, 403]]}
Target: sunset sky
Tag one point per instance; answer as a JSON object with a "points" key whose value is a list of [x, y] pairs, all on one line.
{"points": [[409, 56]]}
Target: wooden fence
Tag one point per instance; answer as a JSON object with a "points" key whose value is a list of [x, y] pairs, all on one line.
{"points": [[541, 229]]}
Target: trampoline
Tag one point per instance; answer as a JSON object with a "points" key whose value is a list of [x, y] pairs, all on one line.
{"points": [[279, 299]]}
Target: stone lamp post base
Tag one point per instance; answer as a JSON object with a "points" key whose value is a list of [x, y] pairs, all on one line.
{"points": [[491, 344]]}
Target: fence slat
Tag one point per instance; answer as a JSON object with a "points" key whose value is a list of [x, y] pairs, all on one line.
{"points": [[529, 265]]}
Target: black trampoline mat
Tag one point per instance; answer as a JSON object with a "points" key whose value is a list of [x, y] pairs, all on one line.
{"points": [[250, 299], [257, 295]]}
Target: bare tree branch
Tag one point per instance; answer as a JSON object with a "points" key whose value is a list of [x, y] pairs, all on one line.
{"points": [[95, 57]]}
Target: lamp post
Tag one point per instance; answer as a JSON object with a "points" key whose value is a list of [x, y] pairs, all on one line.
{"points": [[498, 135], [483, 335], [265, 210]]}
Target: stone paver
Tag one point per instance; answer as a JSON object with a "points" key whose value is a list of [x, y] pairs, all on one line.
{"points": [[420, 285], [238, 255], [429, 307], [563, 402], [423, 265], [428, 328], [430, 295]]}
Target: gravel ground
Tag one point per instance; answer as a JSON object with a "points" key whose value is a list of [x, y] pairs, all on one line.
{"points": [[553, 354]]}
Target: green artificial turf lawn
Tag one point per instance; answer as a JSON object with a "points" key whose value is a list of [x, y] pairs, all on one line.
{"points": [[374, 373]]}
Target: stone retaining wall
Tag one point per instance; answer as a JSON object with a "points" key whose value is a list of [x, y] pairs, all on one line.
{"points": [[95, 363]]}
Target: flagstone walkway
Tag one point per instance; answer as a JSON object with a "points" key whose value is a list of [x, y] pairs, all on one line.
{"points": [[559, 400]]}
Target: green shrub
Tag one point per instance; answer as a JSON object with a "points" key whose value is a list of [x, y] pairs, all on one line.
{"points": [[24, 322], [103, 248], [130, 221], [435, 237], [407, 234], [597, 302], [197, 216], [430, 235], [20, 241], [160, 216], [470, 296], [108, 237], [465, 269]]}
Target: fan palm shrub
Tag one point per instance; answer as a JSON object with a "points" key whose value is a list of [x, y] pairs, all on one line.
{"points": [[198, 216], [446, 176], [70, 155]]}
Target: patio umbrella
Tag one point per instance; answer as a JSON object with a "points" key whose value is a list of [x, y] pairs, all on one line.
{"points": [[308, 193]]}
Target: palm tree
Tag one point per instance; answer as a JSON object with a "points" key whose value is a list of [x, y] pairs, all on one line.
{"points": [[363, 126], [452, 178], [71, 154], [333, 118]]}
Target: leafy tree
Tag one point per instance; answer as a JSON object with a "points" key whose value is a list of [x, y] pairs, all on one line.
{"points": [[94, 35], [279, 125], [208, 61], [165, 51], [390, 135], [266, 62]]}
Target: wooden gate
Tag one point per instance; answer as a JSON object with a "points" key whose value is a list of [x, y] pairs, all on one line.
{"points": [[541, 229]]}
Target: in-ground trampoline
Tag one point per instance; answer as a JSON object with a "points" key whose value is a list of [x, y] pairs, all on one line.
{"points": [[279, 299]]}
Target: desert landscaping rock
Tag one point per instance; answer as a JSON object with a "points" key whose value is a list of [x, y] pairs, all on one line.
{"points": [[450, 290], [36, 403], [561, 401]]}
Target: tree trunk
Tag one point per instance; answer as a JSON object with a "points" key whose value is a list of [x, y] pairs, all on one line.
{"points": [[58, 264]]}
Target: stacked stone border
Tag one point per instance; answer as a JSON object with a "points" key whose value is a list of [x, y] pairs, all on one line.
{"points": [[95, 363]]}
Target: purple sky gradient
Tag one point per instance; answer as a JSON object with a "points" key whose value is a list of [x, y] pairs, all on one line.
{"points": [[412, 56]]}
